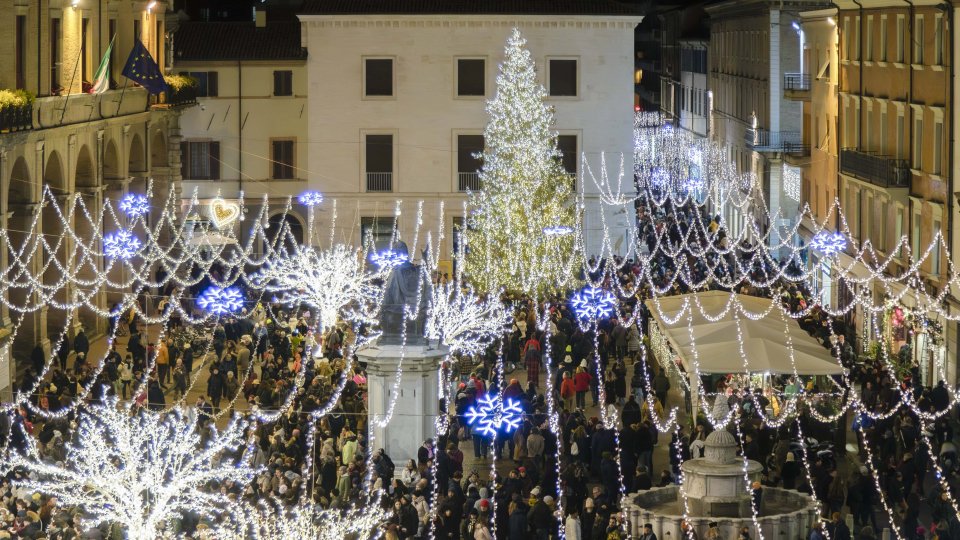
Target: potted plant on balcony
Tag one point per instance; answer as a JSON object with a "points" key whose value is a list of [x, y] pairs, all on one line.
{"points": [[16, 109], [182, 88]]}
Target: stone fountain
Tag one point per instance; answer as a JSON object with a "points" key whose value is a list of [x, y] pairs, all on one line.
{"points": [[716, 490]]}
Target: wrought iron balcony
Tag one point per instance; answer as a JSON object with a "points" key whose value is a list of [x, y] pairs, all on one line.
{"points": [[16, 118], [380, 181], [787, 142], [468, 181], [879, 170], [796, 86], [186, 95]]}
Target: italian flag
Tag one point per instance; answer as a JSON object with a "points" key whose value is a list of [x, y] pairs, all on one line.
{"points": [[101, 80]]}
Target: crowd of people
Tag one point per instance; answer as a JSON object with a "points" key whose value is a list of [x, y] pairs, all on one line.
{"points": [[567, 473]]}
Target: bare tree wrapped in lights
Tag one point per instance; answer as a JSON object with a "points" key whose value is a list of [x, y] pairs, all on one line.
{"points": [[330, 280], [140, 470], [525, 189], [462, 321], [272, 520]]}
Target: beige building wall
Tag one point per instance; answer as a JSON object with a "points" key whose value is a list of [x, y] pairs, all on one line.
{"points": [[894, 103], [821, 63]]}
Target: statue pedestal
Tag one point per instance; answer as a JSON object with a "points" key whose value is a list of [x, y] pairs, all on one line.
{"points": [[417, 396]]}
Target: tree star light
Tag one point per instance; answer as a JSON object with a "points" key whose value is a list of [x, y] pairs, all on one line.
{"points": [[120, 245], [593, 303], [134, 204], [221, 301], [492, 415]]}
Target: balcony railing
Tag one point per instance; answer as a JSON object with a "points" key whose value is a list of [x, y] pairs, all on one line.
{"points": [[186, 95], [797, 82], [16, 118], [788, 142], [880, 170], [468, 181], [379, 181]]}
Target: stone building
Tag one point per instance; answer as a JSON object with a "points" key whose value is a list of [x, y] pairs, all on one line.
{"points": [[398, 91], [752, 45], [249, 134], [73, 143]]}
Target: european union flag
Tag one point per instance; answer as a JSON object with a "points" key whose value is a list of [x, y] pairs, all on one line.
{"points": [[142, 69]]}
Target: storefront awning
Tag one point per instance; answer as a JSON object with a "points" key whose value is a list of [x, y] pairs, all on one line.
{"points": [[765, 341]]}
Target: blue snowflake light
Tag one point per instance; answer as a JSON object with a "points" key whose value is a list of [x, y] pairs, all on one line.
{"points": [[829, 243], [389, 258], [593, 303], [134, 205], [221, 301], [659, 178], [120, 245], [557, 230], [310, 198], [491, 415]]}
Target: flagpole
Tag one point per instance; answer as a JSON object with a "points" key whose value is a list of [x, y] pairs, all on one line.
{"points": [[124, 89], [76, 66], [106, 56]]}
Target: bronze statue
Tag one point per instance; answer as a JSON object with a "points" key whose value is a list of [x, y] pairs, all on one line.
{"points": [[407, 283]]}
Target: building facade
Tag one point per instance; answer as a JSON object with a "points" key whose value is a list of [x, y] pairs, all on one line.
{"points": [[398, 95], [249, 134], [896, 124], [75, 144], [752, 45]]}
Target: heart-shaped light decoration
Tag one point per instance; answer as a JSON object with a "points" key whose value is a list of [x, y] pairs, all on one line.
{"points": [[223, 213]]}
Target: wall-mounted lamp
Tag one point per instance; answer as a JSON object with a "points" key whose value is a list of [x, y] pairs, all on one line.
{"points": [[75, 4], [795, 26], [150, 6], [831, 22]]}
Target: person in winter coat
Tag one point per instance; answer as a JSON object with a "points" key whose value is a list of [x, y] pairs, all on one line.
{"points": [[80, 343], [215, 386], [179, 379], [567, 392], [581, 384]]}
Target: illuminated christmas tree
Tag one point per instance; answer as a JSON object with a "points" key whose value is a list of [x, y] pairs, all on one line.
{"points": [[524, 219]]}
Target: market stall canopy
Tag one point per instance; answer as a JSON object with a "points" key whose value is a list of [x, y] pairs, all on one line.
{"points": [[717, 350]]}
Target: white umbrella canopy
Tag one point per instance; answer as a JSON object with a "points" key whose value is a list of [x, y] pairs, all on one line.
{"points": [[714, 346]]}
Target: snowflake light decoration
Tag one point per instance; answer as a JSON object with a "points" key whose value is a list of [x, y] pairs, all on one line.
{"points": [[310, 198], [659, 178], [462, 321], [120, 245], [492, 415], [389, 259], [593, 303], [134, 205], [557, 230], [828, 243], [221, 301]]}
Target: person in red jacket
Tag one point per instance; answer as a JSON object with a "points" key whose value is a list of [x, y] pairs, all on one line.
{"points": [[567, 391], [581, 383]]}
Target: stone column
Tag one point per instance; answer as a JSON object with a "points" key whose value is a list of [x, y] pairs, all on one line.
{"points": [[5, 224], [417, 396]]}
